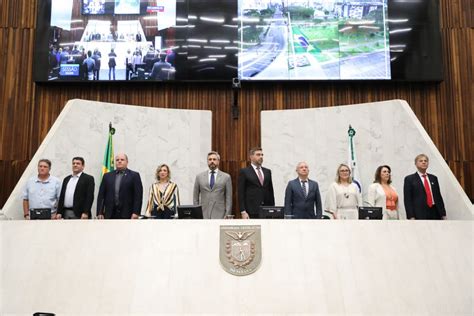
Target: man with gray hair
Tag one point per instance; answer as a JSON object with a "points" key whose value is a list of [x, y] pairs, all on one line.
{"points": [[213, 190], [302, 197]]}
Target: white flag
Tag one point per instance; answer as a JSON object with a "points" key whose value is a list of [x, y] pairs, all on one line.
{"points": [[352, 160]]}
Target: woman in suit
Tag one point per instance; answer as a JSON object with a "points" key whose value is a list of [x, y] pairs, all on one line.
{"points": [[343, 198], [382, 194], [164, 195]]}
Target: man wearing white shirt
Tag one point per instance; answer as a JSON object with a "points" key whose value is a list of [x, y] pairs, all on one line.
{"points": [[422, 194], [77, 193], [255, 186], [302, 196], [213, 190]]}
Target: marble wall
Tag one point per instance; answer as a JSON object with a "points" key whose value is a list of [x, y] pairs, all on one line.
{"points": [[172, 267], [386, 133], [149, 136]]}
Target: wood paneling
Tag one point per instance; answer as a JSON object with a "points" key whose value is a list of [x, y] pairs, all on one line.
{"points": [[28, 110]]}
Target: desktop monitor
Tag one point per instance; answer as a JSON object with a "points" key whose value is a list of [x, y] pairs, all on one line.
{"points": [[272, 212], [40, 213], [190, 212], [367, 212]]}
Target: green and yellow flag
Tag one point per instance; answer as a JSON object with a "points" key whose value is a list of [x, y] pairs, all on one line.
{"points": [[108, 164]]}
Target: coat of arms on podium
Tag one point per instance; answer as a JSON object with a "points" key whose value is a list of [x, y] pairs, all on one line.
{"points": [[240, 249]]}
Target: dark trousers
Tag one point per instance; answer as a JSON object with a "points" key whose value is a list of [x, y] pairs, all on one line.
{"points": [[432, 213]]}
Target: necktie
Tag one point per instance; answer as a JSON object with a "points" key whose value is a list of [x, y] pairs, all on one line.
{"points": [[429, 197], [260, 176], [118, 180], [303, 186], [213, 179]]}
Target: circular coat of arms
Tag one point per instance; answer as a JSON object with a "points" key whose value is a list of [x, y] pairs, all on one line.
{"points": [[240, 249]]}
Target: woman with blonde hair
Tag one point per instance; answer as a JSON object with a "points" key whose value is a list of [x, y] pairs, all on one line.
{"points": [[164, 195], [382, 194], [343, 198]]}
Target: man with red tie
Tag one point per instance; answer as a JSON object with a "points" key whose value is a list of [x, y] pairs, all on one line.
{"points": [[422, 195], [255, 186]]}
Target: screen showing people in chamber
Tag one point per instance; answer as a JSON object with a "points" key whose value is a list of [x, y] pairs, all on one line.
{"points": [[226, 40]]}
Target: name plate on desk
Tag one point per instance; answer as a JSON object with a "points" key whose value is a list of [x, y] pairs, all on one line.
{"points": [[240, 250]]}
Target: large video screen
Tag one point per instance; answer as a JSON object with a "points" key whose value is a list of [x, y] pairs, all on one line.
{"points": [[314, 40], [225, 40]]}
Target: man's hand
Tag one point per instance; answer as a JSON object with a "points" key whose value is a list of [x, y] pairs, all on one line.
{"points": [[84, 216], [134, 216], [245, 215], [100, 216], [58, 216]]}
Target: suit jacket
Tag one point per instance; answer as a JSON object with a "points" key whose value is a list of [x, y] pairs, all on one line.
{"points": [[130, 195], [83, 195], [252, 194], [215, 202], [298, 205], [415, 197]]}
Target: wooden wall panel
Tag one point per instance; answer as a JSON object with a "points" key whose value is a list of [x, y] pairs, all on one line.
{"points": [[28, 110]]}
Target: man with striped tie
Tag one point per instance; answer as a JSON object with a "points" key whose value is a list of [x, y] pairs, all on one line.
{"points": [[255, 186]]}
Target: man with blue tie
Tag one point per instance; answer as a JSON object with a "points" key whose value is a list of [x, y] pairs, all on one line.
{"points": [[213, 190], [302, 197]]}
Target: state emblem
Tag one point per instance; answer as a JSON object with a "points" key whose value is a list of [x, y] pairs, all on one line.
{"points": [[240, 249]]}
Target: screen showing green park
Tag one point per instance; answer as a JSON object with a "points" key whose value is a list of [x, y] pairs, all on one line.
{"points": [[313, 40]]}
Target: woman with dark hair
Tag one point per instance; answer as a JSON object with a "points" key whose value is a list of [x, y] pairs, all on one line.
{"points": [[343, 198], [382, 194], [164, 195]]}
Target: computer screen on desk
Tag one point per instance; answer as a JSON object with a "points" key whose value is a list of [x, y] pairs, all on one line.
{"points": [[190, 212], [271, 212], [367, 212]]}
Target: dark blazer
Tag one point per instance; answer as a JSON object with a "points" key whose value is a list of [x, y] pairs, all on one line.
{"points": [[415, 197], [131, 195], [252, 194], [298, 205], [83, 195]]}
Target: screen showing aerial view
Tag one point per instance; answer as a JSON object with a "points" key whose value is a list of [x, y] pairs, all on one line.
{"points": [[313, 40]]}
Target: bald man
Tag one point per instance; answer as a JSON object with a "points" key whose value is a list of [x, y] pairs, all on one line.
{"points": [[120, 192]]}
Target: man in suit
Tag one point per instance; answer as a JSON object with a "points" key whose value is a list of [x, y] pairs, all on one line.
{"points": [[214, 188], [120, 193], [77, 193], [255, 186], [302, 197], [422, 195]]}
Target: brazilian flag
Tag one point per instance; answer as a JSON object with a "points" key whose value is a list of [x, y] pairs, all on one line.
{"points": [[108, 164]]}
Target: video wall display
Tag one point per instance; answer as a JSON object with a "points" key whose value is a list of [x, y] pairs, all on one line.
{"points": [[314, 40], [250, 40]]}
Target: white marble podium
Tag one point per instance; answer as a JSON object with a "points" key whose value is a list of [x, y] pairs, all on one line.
{"points": [[149, 136], [387, 132], [172, 267]]}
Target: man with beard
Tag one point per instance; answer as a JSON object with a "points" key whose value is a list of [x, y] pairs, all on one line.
{"points": [[213, 190]]}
